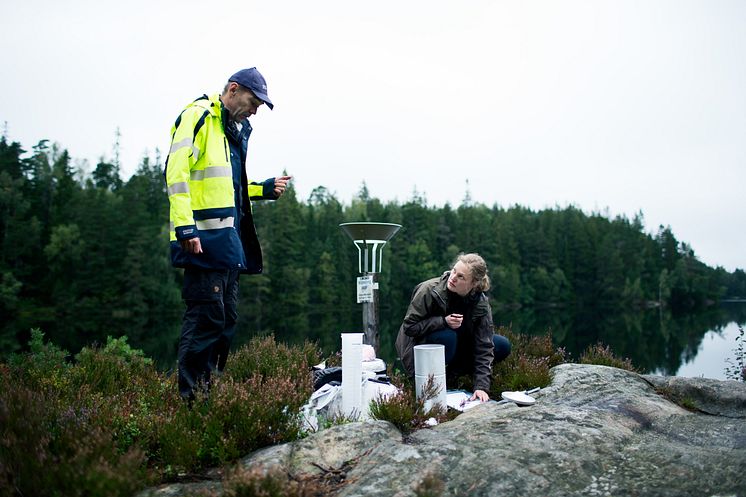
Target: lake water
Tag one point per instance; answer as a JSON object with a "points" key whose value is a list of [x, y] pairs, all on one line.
{"points": [[716, 347], [655, 340]]}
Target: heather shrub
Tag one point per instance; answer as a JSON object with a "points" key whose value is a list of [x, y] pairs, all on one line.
{"points": [[254, 404], [135, 416], [48, 448], [130, 394], [90, 463], [602, 355], [529, 372], [528, 364], [111, 369], [25, 434], [236, 418], [179, 438], [109, 422], [404, 410], [264, 357], [44, 367]]}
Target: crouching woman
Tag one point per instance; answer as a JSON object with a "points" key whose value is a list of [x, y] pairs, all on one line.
{"points": [[453, 310]]}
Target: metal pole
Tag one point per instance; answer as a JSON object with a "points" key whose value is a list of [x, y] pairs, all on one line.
{"points": [[370, 317], [370, 238]]}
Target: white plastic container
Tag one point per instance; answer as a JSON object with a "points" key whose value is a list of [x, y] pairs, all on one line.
{"points": [[352, 375], [430, 359]]}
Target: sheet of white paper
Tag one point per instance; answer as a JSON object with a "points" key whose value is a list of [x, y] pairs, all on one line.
{"points": [[459, 400]]}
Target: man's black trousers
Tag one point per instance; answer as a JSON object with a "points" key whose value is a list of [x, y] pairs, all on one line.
{"points": [[211, 298]]}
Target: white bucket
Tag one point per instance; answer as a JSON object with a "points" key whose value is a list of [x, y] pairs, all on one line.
{"points": [[429, 359]]}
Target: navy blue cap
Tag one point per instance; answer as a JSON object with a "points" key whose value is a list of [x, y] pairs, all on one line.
{"points": [[254, 81]]}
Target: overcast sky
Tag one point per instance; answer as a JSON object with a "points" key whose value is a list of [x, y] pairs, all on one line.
{"points": [[618, 106]]}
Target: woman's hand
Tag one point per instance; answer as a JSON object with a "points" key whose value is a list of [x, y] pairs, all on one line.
{"points": [[481, 395], [454, 321]]}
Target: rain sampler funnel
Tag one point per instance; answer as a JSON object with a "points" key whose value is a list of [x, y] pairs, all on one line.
{"points": [[369, 238]]}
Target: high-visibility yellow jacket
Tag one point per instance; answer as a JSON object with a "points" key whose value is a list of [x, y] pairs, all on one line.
{"points": [[200, 171]]}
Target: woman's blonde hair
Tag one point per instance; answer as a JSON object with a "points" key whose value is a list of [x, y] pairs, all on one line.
{"points": [[478, 269]]}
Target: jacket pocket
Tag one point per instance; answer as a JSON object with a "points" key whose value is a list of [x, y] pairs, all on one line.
{"points": [[203, 285]]}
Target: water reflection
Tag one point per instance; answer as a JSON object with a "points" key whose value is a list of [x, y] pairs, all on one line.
{"points": [[654, 339], [708, 360]]}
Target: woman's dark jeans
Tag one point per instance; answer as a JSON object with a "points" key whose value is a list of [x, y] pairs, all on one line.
{"points": [[449, 338]]}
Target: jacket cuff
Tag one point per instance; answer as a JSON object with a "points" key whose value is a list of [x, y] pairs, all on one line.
{"points": [[186, 232], [268, 189], [483, 387]]}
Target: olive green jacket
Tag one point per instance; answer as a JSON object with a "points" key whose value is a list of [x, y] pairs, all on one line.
{"points": [[426, 314]]}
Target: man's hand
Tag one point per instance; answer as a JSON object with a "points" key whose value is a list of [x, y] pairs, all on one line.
{"points": [[454, 321], [481, 395], [191, 245], [281, 184]]}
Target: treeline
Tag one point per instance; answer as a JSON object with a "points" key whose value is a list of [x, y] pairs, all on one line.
{"points": [[84, 255]]}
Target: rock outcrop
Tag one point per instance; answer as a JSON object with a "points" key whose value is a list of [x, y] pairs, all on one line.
{"points": [[594, 431]]}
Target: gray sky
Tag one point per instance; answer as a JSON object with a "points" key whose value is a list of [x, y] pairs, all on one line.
{"points": [[612, 106]]}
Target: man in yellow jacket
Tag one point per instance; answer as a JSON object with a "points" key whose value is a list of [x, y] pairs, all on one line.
{"points": [[212, 229]]}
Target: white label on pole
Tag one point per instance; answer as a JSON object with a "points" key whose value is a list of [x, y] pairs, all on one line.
{"points": [[364, 289]]}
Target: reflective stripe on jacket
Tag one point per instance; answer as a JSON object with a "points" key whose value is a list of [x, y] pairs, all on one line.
{"points": [[199, 181]]}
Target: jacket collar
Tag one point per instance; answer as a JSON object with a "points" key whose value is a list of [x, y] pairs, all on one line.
{"points": [[441, 291], [216, 106], [229, 127]]}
